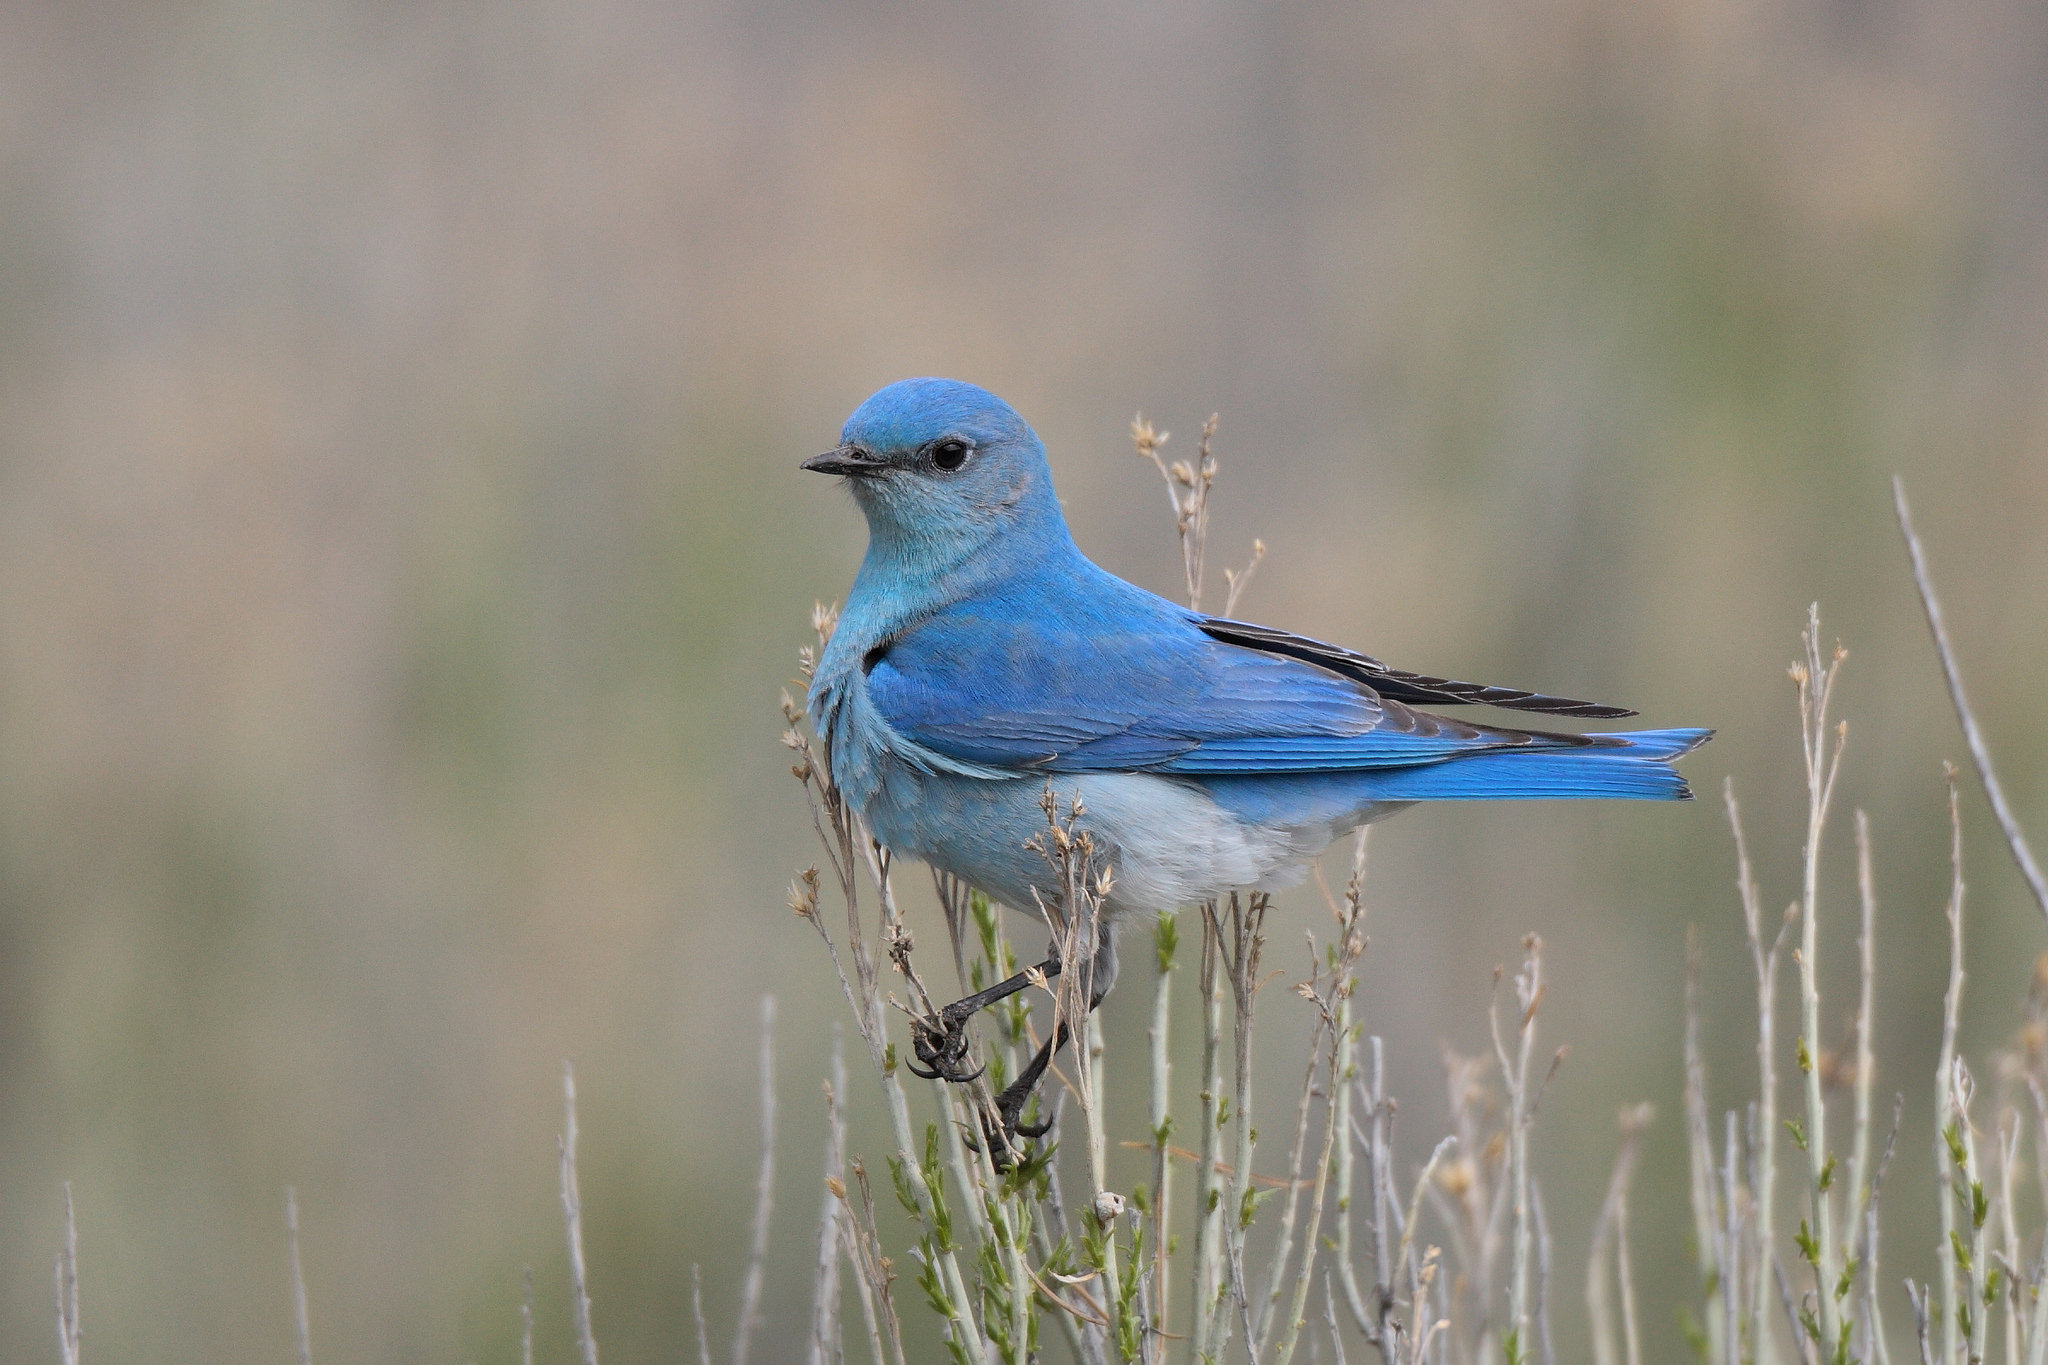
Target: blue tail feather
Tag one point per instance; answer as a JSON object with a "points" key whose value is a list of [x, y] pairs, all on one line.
{"points": [[1641, 772]]}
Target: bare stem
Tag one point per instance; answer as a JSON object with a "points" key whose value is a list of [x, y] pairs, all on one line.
{"points": [[1980, 752]]}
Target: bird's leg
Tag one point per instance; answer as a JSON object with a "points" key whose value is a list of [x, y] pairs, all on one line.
{"points": [[1002, 1135], [1009, 1105], [940, 1041]]}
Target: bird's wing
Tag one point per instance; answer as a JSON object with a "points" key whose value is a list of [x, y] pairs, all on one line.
{"points": [[998, 684], [1393, 683]]}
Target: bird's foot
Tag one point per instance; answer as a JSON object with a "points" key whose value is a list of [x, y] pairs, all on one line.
{"points": [[1002, 1129], [940, 1042]]}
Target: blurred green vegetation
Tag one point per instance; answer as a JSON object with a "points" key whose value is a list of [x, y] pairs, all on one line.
{"points": [[401, 547]]}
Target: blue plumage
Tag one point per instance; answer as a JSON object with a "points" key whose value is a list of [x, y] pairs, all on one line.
{"points": [[980, 655]]}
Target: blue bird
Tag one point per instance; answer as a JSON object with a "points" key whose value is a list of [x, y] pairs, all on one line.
{"points": [[980, 656]]}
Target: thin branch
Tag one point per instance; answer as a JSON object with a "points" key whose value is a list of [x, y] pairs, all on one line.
{"points": [[1980, 752]]}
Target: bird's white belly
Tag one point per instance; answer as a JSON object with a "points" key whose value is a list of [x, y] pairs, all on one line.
{"points": [[1173, 845], [1168, 844]]}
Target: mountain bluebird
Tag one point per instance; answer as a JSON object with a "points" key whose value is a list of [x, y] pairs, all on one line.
{"points": [[980, 657]]}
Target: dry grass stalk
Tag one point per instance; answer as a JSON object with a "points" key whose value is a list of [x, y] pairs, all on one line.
{"points": [[70, 1338], [1732, 1240], [1764, 1180], [1973, 736], [1522, 1100], [1610, 1248], [1863, 1181], [1165, 942], [825, 1345], [1187, 488], [2006, 1149], [1239, 933], [764, 1195], [302, 1332], [1718, 1277], [1209, 1213], [697, 1315], [1815, 678], [1329, 988], [875, 1271], [526, 1314], [1977, 1290], [572, 1217], [1945, 1115], [1544, 1344], [1876, 1347]]}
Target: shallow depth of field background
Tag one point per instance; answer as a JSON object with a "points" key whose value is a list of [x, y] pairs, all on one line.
{"points": [[401, 547]]}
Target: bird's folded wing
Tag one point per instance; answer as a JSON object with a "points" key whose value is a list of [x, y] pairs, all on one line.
{"points": [[987, 686], [1395, 684]]}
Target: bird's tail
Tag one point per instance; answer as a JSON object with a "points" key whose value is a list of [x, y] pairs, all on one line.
{"points": [[1639, 771]]}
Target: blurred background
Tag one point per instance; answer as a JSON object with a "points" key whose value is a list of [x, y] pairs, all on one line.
{"points": [[402, 546]]}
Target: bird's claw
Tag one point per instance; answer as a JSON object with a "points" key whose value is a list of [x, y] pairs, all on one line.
{"points": [[1001, 1130], [941, 1044], [1032, 1130]]}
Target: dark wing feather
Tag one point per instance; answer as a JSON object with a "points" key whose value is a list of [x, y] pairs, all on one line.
{"points": [[1392, 683]]}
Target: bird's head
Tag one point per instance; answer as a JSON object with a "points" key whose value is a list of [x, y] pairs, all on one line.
{"points": [[940, 466]]}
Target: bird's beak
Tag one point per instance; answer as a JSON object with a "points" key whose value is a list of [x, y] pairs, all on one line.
{"points": [[848, 460]]}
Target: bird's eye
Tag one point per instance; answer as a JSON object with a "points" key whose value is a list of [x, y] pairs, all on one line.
{"points": [[949, 455]]}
